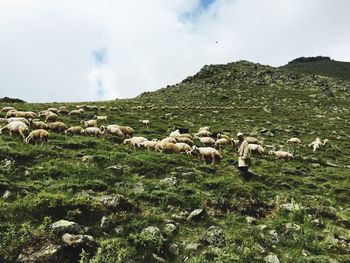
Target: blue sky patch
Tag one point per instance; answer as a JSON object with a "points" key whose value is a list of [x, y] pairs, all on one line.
{"points": [[192, 15], [100, 56]]}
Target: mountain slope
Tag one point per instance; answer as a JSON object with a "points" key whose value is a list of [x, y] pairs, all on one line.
{"points": [[320, 66]]}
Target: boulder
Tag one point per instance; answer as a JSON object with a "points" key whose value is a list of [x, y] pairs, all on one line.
{"points": [[214, 236], [196, 214], [64, 226], [46, 254], [117, 203]]}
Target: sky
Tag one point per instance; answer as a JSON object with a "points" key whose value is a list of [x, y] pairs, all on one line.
{"points": [[89, 50]]}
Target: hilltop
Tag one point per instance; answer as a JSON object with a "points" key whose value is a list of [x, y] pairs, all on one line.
{"points": [[320, 66], [134, 205]]}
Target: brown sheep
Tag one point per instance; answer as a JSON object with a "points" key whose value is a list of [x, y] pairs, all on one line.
{"points": [[39, 125], [127, 130], [58, 126], [38, 135], [74, 130]]}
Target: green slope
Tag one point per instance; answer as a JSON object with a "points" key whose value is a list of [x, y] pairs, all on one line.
{"points": [[300, 207], [325, 67]]}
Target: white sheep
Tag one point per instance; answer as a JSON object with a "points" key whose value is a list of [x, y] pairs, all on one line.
{"points": [[39, 125], [149, 145], [168, 139], [135, 141], [16, 127], [294, 140], [38, 135], [100, 118], [221, 135], [207, 153], [184, 140], [76, 112], [203, 133], [12, 119], [207, 141], [113, 130], [92, 131], [282, 154], [89, 123], [168, 147], [6, 109], [317, 144], [74, 130], [222, 142], [175, 133], [256, 149], [51, 117], [145, 122], [184, 147]]}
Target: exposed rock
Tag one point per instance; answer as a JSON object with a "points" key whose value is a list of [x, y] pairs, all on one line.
{"points": [[158, 258], [271, 258], [64, 226], [6, 195], [214, 236], [170, 229], [196, 214], [138, 188], [78, 240], [152, 232], [47, 254], [193, 247], [170, 181], [250, 220], [174, 249], [274, 236], [105, 224], [291, 228], [117, 203]]}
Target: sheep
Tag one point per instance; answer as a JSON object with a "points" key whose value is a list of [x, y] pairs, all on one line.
{"points": [[221, 135], [294, 140], [54, 110], [207, 153], [11, 113], [203, 133], [168, 147], [58, 126], [317, 144], [89, 123], [207, 141], [17, 127], [100, 118], [186, 135], [23, 114], [149, 145], [102, 108], [24, 120], [38, 135], [206, 128], [252, 140], [256, 149], [113, 130], [168, 139], [127, 130], [63, 110], [6, 109], [51, 117], [282, 155], [76, 112], [93, 131], [144, 122], [135, 141], [39, 125], [222, 142], [184, 147], [234, 142], [182, 130], [74, 130], [184, 140]]}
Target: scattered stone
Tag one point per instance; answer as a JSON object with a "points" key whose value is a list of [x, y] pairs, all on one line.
{"points": [[152, 232], [119, 230], [105, 224], [117, 203], [138, 188], [87, 158], [181, 216], [193, 247], [274, 236], [271, 258], [214, 236], [158, 258], [6, 195], [292, 206], [250, 220], [291, 227], [46, 254], [117, 169], [305, 253], [78, 240], [170, 229], [196, 214], [174, 249], [170, 181], [64, 226]]}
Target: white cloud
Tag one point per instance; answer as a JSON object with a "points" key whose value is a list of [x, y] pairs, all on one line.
{"points": [[47, 47]]}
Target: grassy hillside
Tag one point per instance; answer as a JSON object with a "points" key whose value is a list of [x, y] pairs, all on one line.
{"points": [[325, 67], [298, 211]]}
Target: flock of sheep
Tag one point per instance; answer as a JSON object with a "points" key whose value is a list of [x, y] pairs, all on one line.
{"points": [[178, 141]]}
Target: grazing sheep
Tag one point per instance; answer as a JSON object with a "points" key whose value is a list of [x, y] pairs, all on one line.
{"points": [[175, 134], [102, 108], [100, 118], [203, 133], [89, 123], [127, 130], [184, 140], [23, 114], [221, 135], [63, 110], [207, 141], [252, 140], [186, 135], [182, 130], [145, 122], [16, 127], [113, 130], [74, 130], [24, 120], [184, 147], [58, 126], [92, 131], [76, 112], [282, 155], [206, 128], [11, 113], [149, 145], [54, 110], [168, 147], [294, 140], [207, 154], [256, 149], [168, 139], [51, 117], [39, 125], [135, 141], [317, 144], [234, 142], [6, 109], [222, 142], [38, 135]]}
